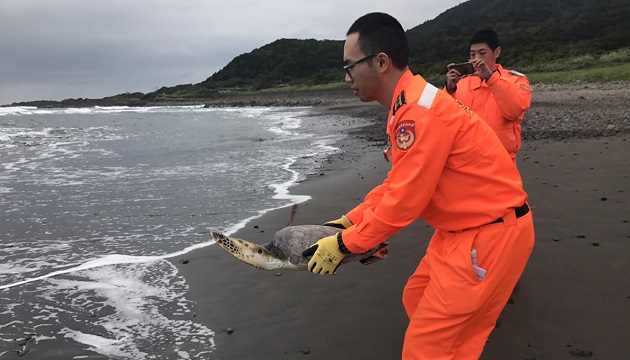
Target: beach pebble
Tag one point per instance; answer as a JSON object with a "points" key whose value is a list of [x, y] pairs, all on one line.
{"points": [[579, 353], [23, 351]]}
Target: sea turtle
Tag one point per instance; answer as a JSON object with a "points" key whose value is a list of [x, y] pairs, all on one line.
{"points": [[285, 251]]}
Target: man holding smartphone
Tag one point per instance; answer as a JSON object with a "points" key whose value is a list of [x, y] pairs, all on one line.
{"points": [[498, 95]]}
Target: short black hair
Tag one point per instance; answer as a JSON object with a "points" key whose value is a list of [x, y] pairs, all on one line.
{"points": [[380, 32], [486, 36]]}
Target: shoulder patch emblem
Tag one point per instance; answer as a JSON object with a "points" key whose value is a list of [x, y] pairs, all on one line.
{"points": [[514, 72], [466, 108], [405, 135], [400, 101]]}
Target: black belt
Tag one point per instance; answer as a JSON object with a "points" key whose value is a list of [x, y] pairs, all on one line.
{"points": [[519, 211]]}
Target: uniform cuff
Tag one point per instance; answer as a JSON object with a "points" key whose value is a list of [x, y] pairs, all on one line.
{"points": [[342, 246], [493, 78]]}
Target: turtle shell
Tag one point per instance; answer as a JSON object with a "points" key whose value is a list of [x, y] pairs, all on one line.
{"points": [[291, 241]]}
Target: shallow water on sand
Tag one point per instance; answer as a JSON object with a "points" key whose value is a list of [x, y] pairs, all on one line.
{"points": [[94, 200]]}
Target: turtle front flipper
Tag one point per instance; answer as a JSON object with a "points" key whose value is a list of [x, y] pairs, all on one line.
{"points": [[258, 256]]}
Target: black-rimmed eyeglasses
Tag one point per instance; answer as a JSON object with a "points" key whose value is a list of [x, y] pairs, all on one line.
{"points": [[350, 66]]}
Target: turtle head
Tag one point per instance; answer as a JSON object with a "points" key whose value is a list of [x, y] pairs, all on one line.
{"points": [[253, 254]]}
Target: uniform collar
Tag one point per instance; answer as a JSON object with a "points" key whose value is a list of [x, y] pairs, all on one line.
{"points": [[404, 80]]}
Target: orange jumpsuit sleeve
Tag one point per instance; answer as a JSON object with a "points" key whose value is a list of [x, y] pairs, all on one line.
{"points": [[512, 97], [371, 201], [409, 185]]}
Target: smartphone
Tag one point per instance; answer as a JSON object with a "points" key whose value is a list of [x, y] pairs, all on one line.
{"points": [[464, 68]]}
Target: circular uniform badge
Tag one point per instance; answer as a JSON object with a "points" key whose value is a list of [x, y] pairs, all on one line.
{"points": [[405, 135]]}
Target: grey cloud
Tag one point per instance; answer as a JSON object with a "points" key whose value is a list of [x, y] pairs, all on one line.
{"points": [[76, 48]]}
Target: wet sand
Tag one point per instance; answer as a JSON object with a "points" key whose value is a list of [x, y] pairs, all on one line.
{"points": [[573, 300]]}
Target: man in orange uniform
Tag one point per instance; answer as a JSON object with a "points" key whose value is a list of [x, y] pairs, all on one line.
{"points": [[499, 96], [450, 169]]}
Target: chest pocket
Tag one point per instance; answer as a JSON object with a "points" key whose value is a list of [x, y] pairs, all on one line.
{"points": [[458, 159]]}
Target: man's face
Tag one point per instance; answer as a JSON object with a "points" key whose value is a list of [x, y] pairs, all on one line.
{"points": [[482, 51], [361, 74]]}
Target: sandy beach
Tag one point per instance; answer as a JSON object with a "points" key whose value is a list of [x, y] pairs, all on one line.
{"points": [[573, 301]]}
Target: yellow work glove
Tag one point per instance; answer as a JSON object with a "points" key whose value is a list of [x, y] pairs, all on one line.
{"points": [[326, 255], [343, 222]]}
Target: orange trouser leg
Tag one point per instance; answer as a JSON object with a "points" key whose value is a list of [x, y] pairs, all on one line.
{"points": [[415, 286], [451, 312]]}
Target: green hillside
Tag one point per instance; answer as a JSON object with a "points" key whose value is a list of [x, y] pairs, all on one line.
{"points": [[533, 33], [537, 36], [280, 63]]}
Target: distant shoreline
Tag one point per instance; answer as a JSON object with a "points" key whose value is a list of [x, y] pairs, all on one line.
{"points": [[284, 99], [558, 111]]}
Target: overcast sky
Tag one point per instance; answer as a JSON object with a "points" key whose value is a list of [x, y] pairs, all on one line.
{"points": [[54, 50]]}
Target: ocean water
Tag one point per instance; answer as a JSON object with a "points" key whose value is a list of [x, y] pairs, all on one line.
{"points": [[93, 202]]}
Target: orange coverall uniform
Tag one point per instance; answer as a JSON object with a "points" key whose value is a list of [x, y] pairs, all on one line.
{"points": [[501, 102], [450, 169]]}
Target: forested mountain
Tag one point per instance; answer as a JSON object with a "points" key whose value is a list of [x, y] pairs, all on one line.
{"points": [[283, 61], [531, 31]]}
